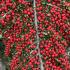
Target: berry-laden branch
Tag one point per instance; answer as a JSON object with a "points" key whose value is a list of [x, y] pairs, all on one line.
{"points": [[37, 36]]}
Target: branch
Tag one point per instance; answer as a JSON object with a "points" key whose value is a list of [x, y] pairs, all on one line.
{"points": [[5, 15], [37, 36]]}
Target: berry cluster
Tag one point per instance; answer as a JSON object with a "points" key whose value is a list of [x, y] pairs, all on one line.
{"points": [[36, 34]]}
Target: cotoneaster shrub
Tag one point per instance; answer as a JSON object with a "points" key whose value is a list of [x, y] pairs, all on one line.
{"points": [[35, 38]]}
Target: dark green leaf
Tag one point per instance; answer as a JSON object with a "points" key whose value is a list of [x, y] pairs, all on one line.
{"points": [[62, 38], [58, 63], [2, 48], [57, 28], [13, 0], [48, 9], [0, 25], [46, 37], [48, 18]]}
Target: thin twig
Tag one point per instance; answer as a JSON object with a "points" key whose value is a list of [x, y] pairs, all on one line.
{"points": [[37, 36], [5, 15]]}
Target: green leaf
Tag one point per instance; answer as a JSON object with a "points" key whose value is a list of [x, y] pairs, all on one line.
{"points": [[20, 7], [28, 46], [0, 25], [24, 53], [44, 3], [9, 59], [48, 18], [48, 9], [68, 0], [57, 63], [13, 0], [1, 44], [2, 48], [62, 38], [46, 37], [57, 28], [35, 65]]}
